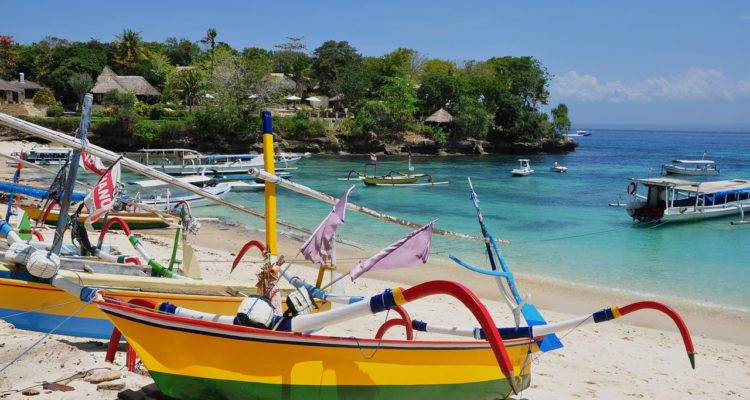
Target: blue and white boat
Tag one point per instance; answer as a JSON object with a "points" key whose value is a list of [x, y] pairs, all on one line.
{"points": [[669, 199]]}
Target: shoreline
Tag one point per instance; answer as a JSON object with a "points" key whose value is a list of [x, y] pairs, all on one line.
{"points": [[563, 297]]}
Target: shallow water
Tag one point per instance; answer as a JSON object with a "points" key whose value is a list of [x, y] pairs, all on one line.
{"points": [[560, 225]]}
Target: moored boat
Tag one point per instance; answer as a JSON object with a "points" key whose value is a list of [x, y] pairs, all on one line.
{"points": [[670, 199], [691, 167], [43, 156], [558, 168], [524, 168], [135, 220]]}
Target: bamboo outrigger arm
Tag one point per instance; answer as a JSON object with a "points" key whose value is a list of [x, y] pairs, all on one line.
{"points": [[302, 189], [63, 139]]}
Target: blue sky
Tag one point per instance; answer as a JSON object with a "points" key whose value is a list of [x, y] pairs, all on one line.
{"points": [[665, 63]]}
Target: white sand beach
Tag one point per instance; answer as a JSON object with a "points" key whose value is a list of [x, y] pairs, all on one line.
{"points": [[632, 357]]}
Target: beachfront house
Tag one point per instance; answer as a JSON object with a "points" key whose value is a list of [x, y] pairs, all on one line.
{"points": [[8, 93], [108, 80]]}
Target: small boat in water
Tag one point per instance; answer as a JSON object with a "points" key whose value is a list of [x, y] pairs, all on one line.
{"points": [[578, 133], [392, 178], [671, 199], [691, 167], [179, 161], [524, 168], [42, 156], [558, 168]]}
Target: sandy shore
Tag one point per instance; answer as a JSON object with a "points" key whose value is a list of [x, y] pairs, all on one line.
{"points": [[639, 357]]}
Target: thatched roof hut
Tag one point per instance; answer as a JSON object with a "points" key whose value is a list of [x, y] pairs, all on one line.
{"points": [[108, 80], [440, 117]]}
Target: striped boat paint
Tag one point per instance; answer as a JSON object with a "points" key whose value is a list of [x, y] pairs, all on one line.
{"points": [[263, 364], [17, 296]]}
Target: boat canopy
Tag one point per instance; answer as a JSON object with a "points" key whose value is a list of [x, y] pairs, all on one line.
{"points": [[693, 161], [718, 187], [666, 181], [223, 157]]}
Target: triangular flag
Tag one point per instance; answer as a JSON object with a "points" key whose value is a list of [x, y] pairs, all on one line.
{"points": [[322, 237], [101, 198], [92, 163], [411, 251]]}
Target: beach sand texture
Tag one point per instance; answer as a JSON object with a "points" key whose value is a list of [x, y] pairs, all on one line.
{"points": [[639, 357]]}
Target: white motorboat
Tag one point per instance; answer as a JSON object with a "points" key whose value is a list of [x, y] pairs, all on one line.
{"points": [[691, 167], [558, 168], [671, 199], [524, 168], [43, 156], [164, 199], [190, 162]]}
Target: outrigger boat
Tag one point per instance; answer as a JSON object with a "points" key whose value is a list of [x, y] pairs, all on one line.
{"points": [[135, 220], [392, 178], [494, 365], [670, 199], [691, 167], [179, 161]]}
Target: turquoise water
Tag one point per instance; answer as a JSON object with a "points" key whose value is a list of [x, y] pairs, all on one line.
{"points": [[560, 225]]}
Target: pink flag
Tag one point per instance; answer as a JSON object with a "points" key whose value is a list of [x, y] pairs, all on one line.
{"points": [[411, 251], [323, 235], [93, 163], [102, 197]]}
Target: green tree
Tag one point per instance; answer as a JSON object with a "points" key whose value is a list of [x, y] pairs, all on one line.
{"points": [[329, 60], [44, 97], [392, 112], [210, 42], [470, 119], [560, 120], [80, 83], [292, 60], [354, 84], [439, 87], [188, 82], [181, 51], [129, 49]]}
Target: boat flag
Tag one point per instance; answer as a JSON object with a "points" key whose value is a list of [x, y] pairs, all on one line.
{"points": [[101, 198], [322, 237], [92, 163], [410, 251], [373, 157]]}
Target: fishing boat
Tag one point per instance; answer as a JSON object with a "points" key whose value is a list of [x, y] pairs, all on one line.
{"points": [[164, 200], [392, 178], [524, 168], [558, 168], [43, 156], [135, 220], [179, 161], [691, 167], [665, 199]]}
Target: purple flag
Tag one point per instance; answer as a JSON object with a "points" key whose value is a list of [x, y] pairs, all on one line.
{"points": [[411, 251], [323, 235]]}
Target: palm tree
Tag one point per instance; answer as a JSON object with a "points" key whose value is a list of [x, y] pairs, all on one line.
{"points": [[129, 48], [210, 42]]}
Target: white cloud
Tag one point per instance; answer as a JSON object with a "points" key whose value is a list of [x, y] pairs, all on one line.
{"points": [[695, 84]]}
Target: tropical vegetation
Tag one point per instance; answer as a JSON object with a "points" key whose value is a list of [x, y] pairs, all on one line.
{"points": [[210, 91]]}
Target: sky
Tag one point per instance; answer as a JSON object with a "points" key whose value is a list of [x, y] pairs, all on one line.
{"points": [[683, 64]]}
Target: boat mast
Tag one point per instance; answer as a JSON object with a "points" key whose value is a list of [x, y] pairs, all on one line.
{"points": [[270, 189], [70, 184]]}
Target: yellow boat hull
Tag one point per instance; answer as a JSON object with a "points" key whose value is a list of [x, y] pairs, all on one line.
{"points": [[251, 363]]}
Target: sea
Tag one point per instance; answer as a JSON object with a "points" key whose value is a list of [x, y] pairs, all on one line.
{"points": [[561, 227]]}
